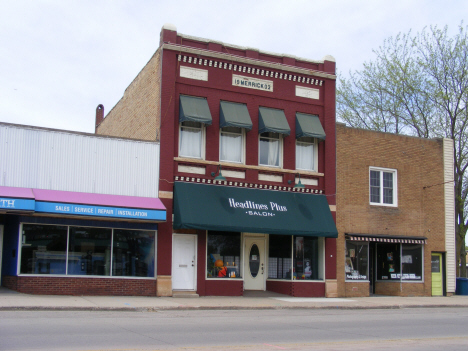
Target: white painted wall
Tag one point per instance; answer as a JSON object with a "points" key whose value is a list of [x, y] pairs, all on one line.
{"points": [[40, 158]]}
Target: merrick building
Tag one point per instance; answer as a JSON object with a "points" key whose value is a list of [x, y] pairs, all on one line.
{"points": [[247, 166]]}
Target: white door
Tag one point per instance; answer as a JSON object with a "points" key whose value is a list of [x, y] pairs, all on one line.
{"points": [[184, 264], [254, 263], [1, 252]]}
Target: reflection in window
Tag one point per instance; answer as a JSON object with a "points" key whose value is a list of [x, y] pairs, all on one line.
{"points": [[133, 253], [89, 251], [223, 255], [269, 149], [43, 249], [306, 258], [190, 143], [356, 261], [280, 257]]}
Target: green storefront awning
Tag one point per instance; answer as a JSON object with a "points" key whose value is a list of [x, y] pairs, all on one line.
{"points": [[222, 208], [272, 120], [194, 109], [309, 126], [234, 115]]}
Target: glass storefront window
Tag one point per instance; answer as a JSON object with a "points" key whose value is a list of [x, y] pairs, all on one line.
{"points": [[388, 262], [411, 262], [306, 264], [223, 255], [280, 257], [89, 251], [133, 253], [43, 249], [356, 261]]}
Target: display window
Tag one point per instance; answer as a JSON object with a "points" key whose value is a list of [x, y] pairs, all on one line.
{"points": [[306, 264], [90, 251], [356, 261], [400, 262], [223, 255], [280, 257]]}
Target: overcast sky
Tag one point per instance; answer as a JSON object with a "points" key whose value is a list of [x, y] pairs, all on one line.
{"points": [[59, 59]]}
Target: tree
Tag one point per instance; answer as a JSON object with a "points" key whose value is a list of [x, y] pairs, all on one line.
{"points": [[417, 85]]}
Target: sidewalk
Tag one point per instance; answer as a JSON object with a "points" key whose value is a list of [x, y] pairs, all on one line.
{"points": [[12, 300]]}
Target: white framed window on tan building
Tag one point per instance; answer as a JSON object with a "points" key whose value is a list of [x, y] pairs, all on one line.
{"points": [[383, 187]]}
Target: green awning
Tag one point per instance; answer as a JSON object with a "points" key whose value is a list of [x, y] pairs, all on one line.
{"points": [[272, 120], [309, 126], [234, 115], [222, 208], [194, 109]]}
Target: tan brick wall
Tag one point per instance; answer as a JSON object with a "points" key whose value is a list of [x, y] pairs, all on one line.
{"points": [[420, 212], [137, 114]]}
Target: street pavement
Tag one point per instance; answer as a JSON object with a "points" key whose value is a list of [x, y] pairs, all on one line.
{"points": [[12, 300]]}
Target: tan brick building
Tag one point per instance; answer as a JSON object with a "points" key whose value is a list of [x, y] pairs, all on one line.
{"points": [[395, 214]]}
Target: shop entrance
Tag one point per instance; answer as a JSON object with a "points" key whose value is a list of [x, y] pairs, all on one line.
{"points": [[184, 265], [254, 263], [437, 280]]}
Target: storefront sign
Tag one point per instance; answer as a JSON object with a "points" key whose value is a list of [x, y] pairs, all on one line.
{"points": [[255, 209], [16, 204], [252, 83], [100, 211]]}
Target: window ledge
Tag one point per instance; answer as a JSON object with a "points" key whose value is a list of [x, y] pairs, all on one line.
{"points": [[252, 167]]}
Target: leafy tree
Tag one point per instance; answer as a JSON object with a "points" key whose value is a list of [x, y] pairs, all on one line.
{"points": [[417, 85]]}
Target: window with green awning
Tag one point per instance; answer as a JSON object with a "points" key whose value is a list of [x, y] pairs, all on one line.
{"points": [[273, 121], [309, 126], [233, 114], [194, 109]]}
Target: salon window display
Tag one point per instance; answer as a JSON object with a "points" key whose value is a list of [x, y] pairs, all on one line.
{"points": [[91, 251], [356, 261], [223, 255], [306, 259]]}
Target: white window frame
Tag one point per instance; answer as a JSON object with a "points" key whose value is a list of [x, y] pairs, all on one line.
{"points": [[203, 140], [381, 188], [280, 161], [315, 153], [242, 134]]}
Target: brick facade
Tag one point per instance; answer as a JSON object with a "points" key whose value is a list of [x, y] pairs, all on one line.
{"points": [[420, 210]]}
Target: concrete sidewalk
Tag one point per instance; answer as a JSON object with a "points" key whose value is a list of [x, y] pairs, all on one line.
{"points": [[12, 300]]}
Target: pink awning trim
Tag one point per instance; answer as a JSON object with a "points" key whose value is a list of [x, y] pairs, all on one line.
{"points": [[98, 199], [23, 193]]}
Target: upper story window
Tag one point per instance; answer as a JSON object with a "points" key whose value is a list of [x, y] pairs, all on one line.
{"points": [[194, 114], [272, 125], [306, 150], [234, 121], [270, 149], [309, 132], [231, 145], [383, 187], [191, 139]]}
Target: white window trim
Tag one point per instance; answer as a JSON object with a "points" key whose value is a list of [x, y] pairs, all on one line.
{"points": [[395, 186], [243, 146], [315, 166], [203, 142], [280, 163]]}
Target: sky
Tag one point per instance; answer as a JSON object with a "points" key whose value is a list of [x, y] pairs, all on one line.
{"points": [[60, 59]]}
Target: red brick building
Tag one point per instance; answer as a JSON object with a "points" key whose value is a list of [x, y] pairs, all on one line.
{"points": [[266, 124]]}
